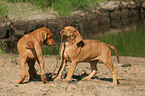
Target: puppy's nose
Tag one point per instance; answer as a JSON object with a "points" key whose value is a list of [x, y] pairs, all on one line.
{"points": [[61, 32]]}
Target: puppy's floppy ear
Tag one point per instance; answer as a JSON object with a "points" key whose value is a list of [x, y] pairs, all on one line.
{"points": [[43, 36], [78, 36], [79, 39]]}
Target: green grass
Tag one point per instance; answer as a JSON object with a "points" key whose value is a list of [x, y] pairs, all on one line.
{"points": [[25, 11], [40, 3], [66, 7], [63, 7], [3, 10]]}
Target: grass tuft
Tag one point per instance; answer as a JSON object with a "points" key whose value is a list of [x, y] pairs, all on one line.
{"points": [[66, 7], [3, 11]]}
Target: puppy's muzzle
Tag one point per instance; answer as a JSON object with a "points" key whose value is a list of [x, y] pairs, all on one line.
{"points": [[65, 38]]}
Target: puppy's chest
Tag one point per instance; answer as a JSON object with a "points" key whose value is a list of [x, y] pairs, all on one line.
{"points": [[70, 51], [67, 54]]}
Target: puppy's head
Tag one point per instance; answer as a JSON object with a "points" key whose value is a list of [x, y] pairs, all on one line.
{"points": [[46, 37], [70, 34]]}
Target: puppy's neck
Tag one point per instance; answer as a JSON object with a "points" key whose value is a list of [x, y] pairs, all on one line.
{"points": [[70, 43], [35, 35]]}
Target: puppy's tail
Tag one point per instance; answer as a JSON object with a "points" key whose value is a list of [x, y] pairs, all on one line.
{"points": [[112, 47]]}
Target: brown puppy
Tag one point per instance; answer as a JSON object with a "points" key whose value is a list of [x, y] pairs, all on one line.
{"points": [[29, 48], [75, 50]]}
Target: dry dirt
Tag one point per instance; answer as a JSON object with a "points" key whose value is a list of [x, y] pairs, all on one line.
{"points": [[131, 79]]}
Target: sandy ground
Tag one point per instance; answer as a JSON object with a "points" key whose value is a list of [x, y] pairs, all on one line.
{"points": [[131, 79]]}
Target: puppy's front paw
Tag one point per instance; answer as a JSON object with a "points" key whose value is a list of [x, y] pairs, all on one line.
{"points": [[67, 79], [18, 82], [45, 82], [57, 78], [114, 83], [86, 78]]}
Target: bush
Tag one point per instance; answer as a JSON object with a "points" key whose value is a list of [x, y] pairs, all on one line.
{"points": [[65, 7]]}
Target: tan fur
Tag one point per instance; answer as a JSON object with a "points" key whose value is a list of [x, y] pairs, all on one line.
{"points": [[75, 50], [29, 48]]}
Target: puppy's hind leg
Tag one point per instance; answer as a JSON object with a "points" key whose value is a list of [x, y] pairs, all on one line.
{"points": [[93, 65], [40, 61], [32, 70], [108, 62], [22, 62]]}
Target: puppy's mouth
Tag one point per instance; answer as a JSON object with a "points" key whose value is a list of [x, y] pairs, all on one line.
{"points": [[65, 38]]}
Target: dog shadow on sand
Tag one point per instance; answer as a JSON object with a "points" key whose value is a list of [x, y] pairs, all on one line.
{"points": [[80, 77], [75, 78], [34, 79]]}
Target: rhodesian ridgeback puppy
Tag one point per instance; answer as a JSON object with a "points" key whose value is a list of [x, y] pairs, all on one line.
{"points": [[75, 50], [29, 48]]}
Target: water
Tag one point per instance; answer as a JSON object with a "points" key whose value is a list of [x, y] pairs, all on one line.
{"points": [[128, 43], [51, 50]]}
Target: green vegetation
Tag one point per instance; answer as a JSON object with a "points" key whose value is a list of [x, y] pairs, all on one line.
{"points": [[3, 11], [66, 7], [63, 7], [40, 3]]}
